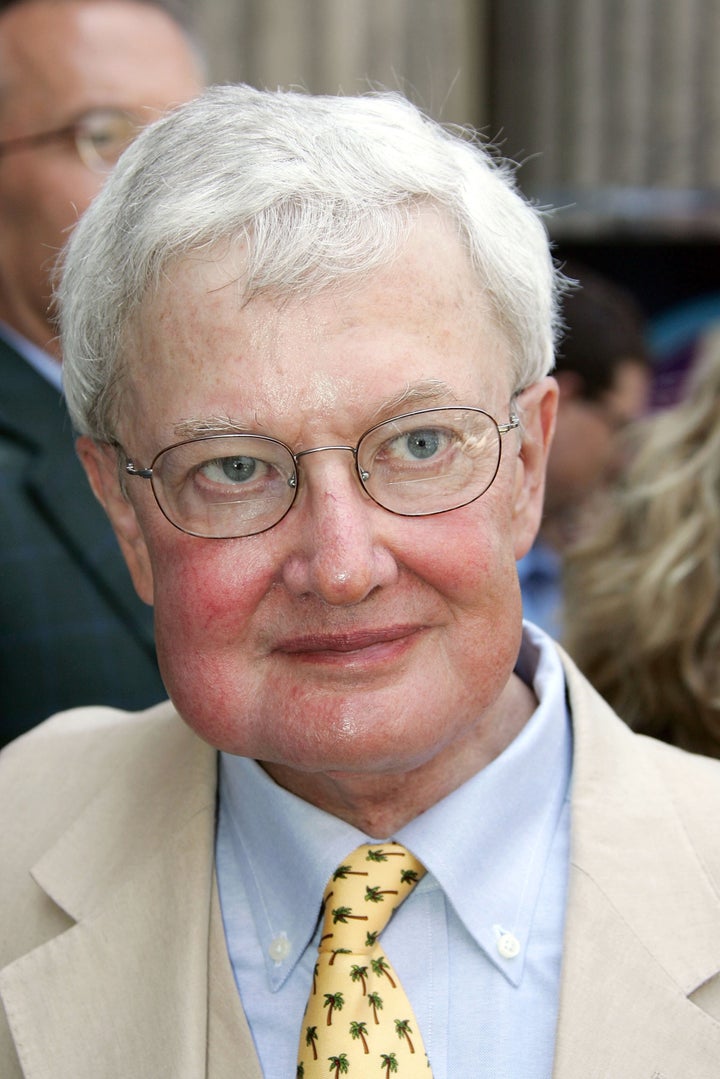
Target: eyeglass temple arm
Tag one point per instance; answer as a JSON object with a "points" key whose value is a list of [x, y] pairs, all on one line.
{"points": [[143, 473], [513, 422]]}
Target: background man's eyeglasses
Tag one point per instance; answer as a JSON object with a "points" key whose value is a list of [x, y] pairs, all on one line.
{"points": [[414, 465], [100, 136]]}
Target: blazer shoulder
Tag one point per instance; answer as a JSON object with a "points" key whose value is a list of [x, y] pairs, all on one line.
{"points": [[49, 775], [616, 770], [53, 776]]}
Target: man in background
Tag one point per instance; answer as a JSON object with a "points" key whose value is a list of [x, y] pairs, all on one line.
{"points": [[603, 374], [78, 78]]}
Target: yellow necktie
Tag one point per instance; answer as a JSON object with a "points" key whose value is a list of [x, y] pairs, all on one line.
{"points": [[358, 1020]]}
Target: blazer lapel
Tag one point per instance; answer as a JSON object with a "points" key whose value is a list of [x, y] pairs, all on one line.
{"points": [[643, 921], [231, 1051], [34, 413], [28, 403], [124, 991], [59, 485]]}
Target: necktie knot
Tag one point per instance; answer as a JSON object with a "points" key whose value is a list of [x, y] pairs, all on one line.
{"points": [[363, 893]]}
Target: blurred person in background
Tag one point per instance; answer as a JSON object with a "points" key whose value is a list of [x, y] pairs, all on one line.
{"points": [[643, 587], [78, 79], [603, 373]]}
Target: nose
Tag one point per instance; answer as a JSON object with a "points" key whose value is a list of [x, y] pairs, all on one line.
{"points": [[338, 552]]}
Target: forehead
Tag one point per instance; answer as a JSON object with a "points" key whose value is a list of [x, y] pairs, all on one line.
{"points": [[59, 57], [348, 352]]}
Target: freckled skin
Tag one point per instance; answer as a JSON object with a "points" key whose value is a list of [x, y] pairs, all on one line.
{"points": [[432, 695]]}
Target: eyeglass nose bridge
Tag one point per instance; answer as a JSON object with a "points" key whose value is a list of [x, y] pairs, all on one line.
{"points": [[364, 476]]}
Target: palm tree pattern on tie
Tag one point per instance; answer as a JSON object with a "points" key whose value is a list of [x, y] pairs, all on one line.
{"points": [[358, 1020]]}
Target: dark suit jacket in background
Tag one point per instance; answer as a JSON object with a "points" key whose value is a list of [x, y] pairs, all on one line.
{"points": [[72, 629]]}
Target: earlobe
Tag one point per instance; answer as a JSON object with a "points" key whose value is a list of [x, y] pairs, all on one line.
{"points": [[537, 408], [101, 467]]}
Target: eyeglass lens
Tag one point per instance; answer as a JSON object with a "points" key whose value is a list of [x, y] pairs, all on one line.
{"points": [[418, 464], [102, 135]]}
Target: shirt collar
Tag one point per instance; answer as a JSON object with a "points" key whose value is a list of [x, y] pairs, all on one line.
{"points": [[42, 362], [507, 815], [285, 849]]}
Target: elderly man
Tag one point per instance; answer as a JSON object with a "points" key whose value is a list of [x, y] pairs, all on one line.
{"points": [[307, 344], [77, 80]]}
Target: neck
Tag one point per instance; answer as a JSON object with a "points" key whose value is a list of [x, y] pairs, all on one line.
{"points": [[380, 804]]}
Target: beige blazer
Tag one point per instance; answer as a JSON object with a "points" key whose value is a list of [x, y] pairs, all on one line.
{"points": [[112, 954]]}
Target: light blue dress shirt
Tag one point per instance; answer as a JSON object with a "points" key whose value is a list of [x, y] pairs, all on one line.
{"points": [[477, 944], [42, 361]]}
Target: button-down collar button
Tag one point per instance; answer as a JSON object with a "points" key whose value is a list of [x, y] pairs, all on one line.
{"points": [[508, 946], [279, 948]]}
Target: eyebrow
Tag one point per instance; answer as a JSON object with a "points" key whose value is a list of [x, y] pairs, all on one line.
{"points": [[427, 393], [214, 425]]}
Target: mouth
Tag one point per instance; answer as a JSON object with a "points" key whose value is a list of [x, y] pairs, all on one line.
{"points": [[362, 645]]}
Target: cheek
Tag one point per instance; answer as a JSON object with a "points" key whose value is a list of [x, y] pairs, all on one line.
{"points": [[580, 447], [473, 568], [51, 201], [68, 197], [593, 462], [207, 591], [467, 555], [207, 595]]}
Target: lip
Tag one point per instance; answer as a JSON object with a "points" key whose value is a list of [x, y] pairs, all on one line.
{"points": [[363, 645]]}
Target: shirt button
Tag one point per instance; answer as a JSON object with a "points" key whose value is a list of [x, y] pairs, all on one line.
{"points": [[508, 946], [279, 948]]}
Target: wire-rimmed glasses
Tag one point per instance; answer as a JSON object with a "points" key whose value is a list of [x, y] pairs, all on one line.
{"points": [[226, 486], [100, 136]]}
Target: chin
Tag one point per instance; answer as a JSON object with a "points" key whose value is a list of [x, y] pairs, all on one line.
{"points": [[361, 753]]}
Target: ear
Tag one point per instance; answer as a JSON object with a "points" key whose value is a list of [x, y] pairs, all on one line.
{"points": [[101, 466], [537, 409]]}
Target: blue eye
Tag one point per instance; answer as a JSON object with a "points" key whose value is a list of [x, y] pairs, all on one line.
{"points": [[234, 470], [238, 469], [423, 443]]}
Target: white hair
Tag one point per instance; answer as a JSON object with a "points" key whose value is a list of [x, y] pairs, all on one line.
{"points": [[313, 190]]}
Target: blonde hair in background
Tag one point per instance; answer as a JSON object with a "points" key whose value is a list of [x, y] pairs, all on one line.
{"points": [[643, 589]]}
